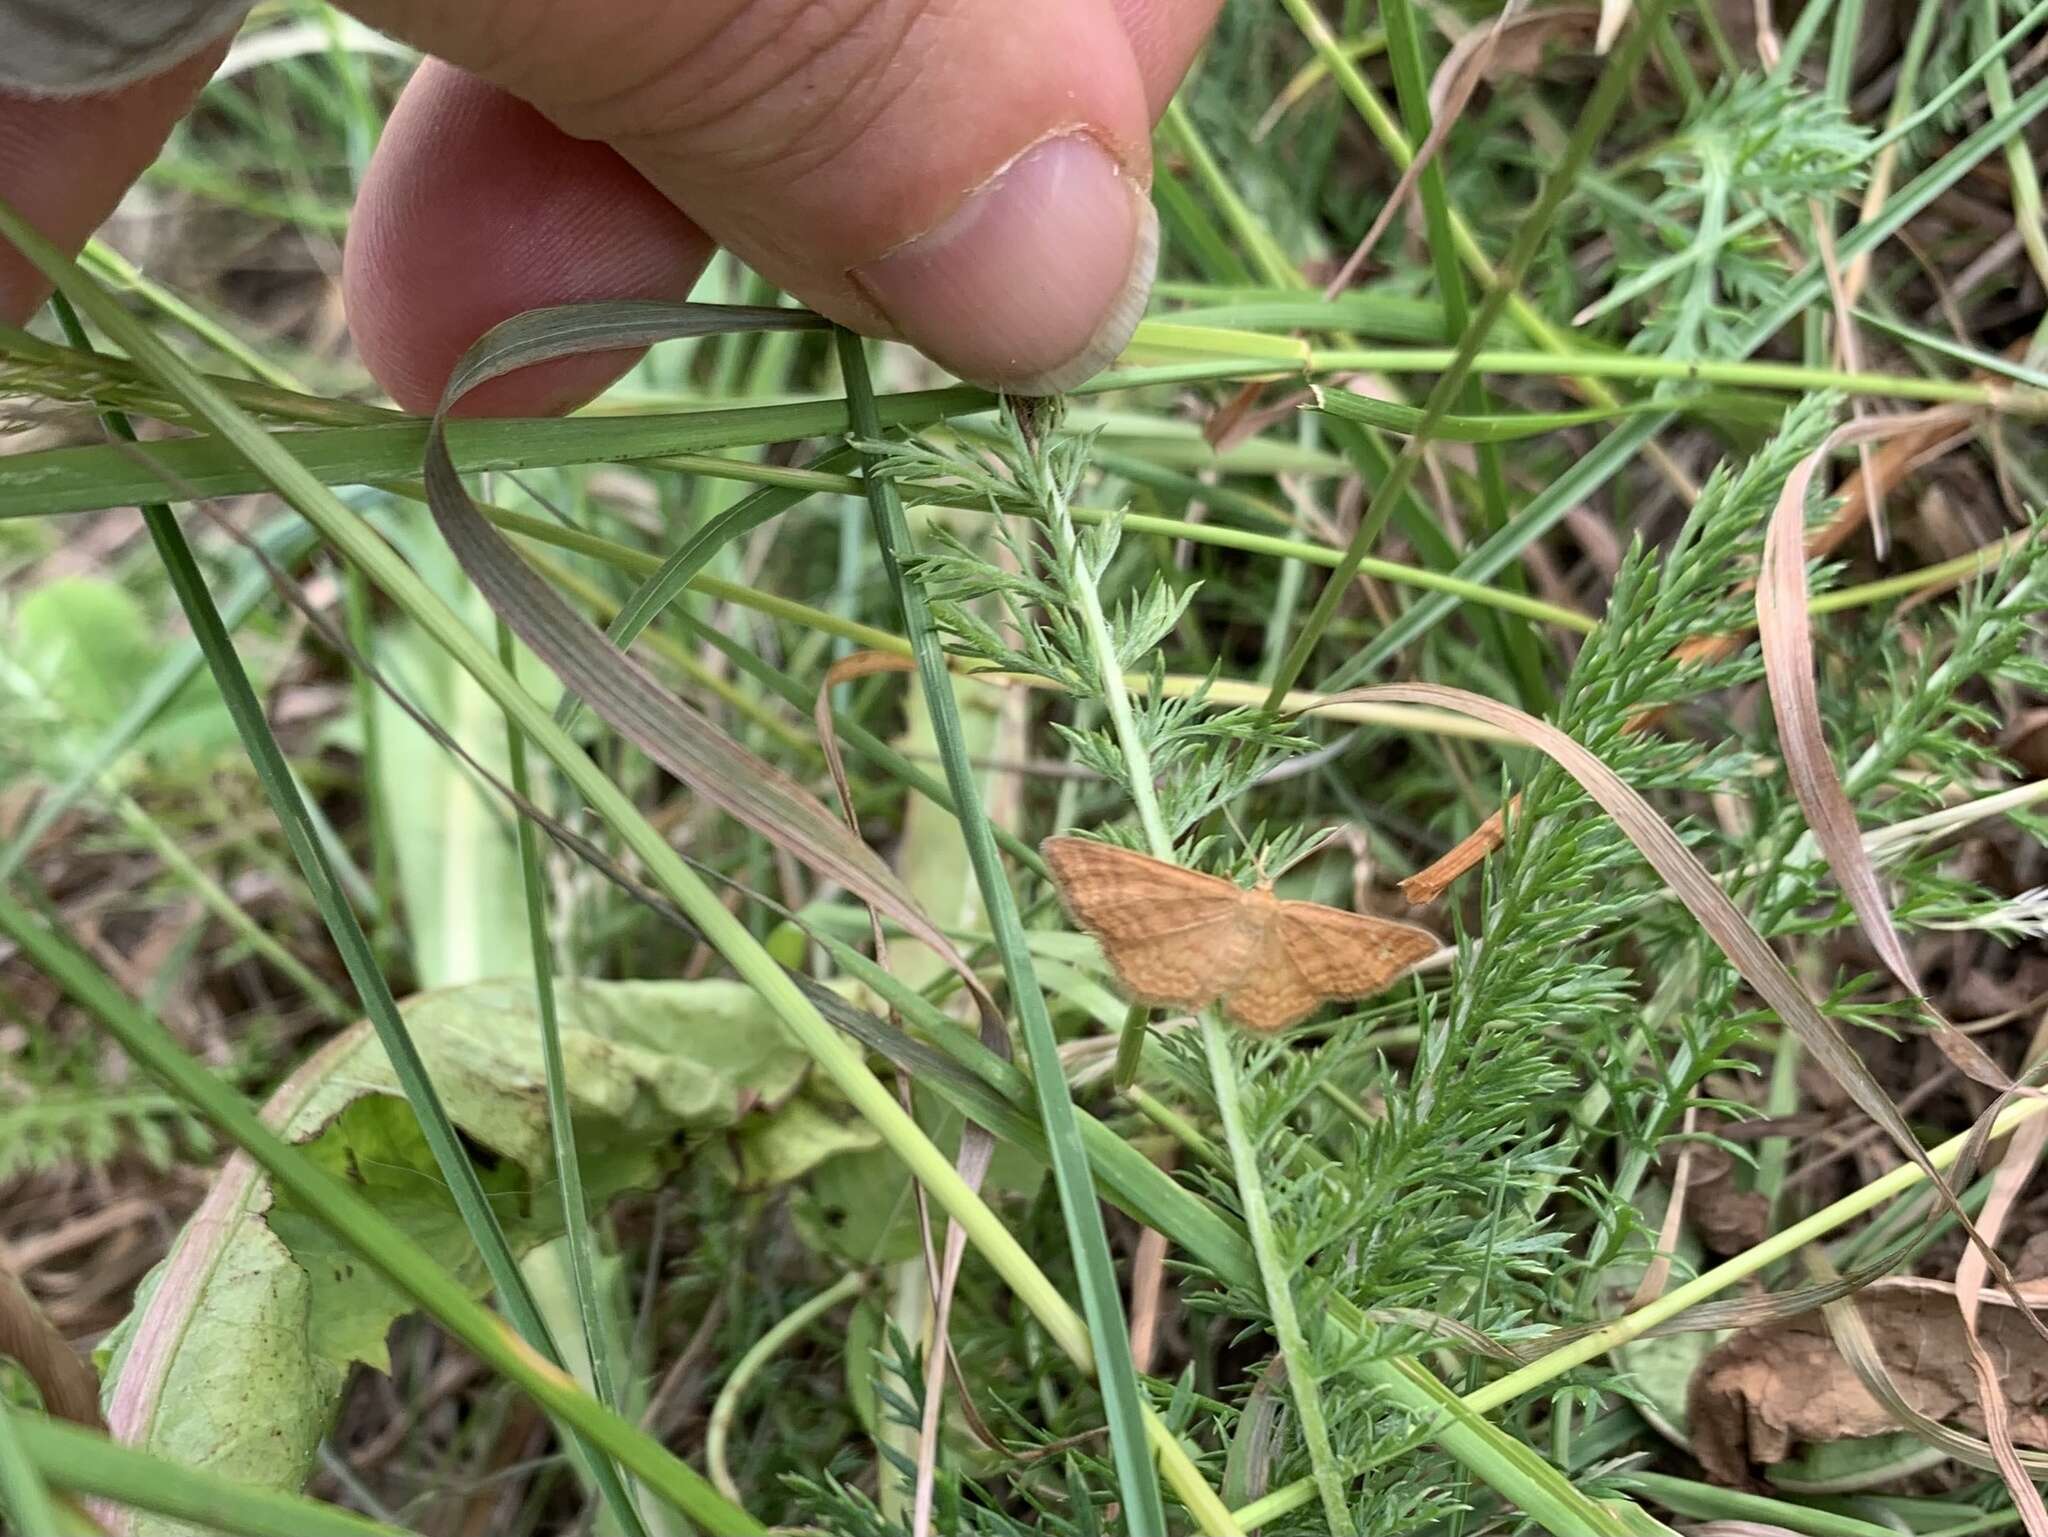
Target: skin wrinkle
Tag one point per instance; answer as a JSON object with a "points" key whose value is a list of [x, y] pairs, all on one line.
{"points": [[821, 154], [765, 109], [514, 236]]}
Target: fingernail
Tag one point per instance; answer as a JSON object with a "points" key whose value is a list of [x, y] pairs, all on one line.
{"points": [[1036, 281]]}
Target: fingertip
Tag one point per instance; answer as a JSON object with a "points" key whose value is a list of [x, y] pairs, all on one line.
{"points": [[65, 161], [1037, 280], [476, 209]]}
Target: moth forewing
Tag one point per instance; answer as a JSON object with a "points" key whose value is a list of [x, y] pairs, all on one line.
{"points": [[1177, 938]]}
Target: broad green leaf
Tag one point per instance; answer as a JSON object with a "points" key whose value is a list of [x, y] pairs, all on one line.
{"points": [[81, 643], [795, 1142], [236, 1354], [84, 641]]}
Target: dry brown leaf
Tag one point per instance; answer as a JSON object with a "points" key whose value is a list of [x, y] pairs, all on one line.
{"points": [[1244, 416], [1732, 933], [1180, 939], [1767, 1389], [1935, 433], [1785, 627]]}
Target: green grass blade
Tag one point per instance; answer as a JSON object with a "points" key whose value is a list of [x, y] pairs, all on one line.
{"points": [[290, 807], [83, 479], [1599, 112], [1101, 1297], [86, 1463], [598, 1337], [24, 1496]]}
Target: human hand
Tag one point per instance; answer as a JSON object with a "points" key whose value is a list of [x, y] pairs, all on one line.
{"points": [[969, 175]]}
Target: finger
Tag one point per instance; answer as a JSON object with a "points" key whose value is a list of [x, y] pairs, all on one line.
{"points": [[1165, 36], [476, 208], [969, 174], [66, 160]]}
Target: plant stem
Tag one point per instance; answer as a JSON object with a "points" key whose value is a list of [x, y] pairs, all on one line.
{"points": [[718, 1429], [1217, 1043]]}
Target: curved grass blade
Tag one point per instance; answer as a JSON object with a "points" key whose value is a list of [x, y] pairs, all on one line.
{"points": [[609, 325], [1784, 626], [622, 692], [1724, 923]]}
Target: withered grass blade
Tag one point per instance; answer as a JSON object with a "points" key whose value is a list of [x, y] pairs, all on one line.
{"points": [[622, 692]]}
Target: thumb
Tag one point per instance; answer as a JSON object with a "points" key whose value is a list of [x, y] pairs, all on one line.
{"points": [[969, 175]]}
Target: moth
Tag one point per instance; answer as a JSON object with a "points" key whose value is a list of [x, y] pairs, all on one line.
{"points": [[1179, 939]]}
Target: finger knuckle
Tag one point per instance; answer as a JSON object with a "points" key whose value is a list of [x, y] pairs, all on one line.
{"points": [[766, 85]]}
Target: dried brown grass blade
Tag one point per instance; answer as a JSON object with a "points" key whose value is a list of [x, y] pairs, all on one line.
{"points": [[1434, 879], [1658, 1274], [1471, 60], [614, 684], [1930, 434], [1148, 1285], [2022, 1156], [70, 1388], [1785, 627], [1732, 933]]}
